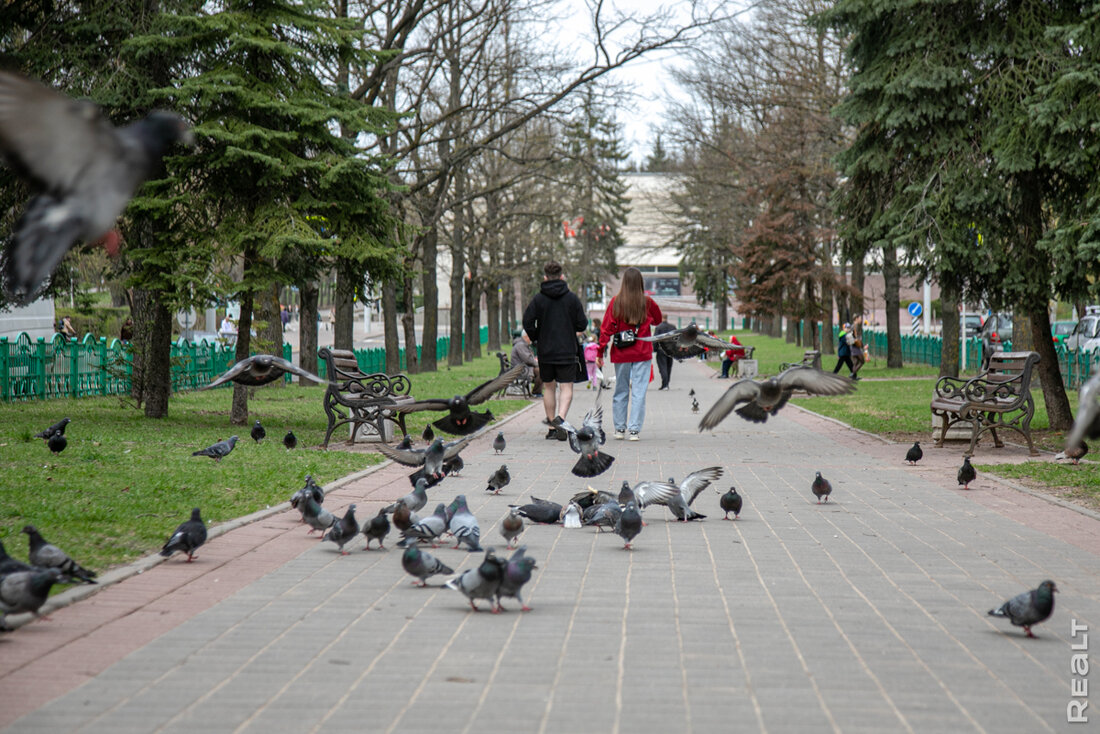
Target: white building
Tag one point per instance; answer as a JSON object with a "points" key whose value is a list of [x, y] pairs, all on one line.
{"points": [[37, 319]]}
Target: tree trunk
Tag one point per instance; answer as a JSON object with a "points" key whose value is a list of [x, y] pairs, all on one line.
{"points": [[429, 287], [307, 328], [857, 288], [472, 318], [348, 278], [949, 354], [458, 271], [389, 318], [811, 321], [1054, 392], [158, 370], [142, 310], [269, 324], [492, 307], [408, 324], [238, 414], [892, 277]]}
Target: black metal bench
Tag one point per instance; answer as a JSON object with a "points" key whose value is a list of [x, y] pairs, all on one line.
{"points": [[360, 399], [520, 387], [999, 397], [810, 358]]}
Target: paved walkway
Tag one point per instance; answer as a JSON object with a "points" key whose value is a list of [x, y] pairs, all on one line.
{"points": [[864, 614]]}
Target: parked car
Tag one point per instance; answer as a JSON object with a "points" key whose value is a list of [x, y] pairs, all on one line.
{"points": [[1086, 335], [996, 330], [971, 325], [1060, 330]]}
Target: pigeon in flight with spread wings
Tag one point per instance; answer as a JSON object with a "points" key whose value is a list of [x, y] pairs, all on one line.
{"points": [[260, 369], [460, 420], [586, 441], [431, 458], [689, 341], [765, 397]]}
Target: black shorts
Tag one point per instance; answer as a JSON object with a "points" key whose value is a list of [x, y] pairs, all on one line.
{"points": [[558, 372]]}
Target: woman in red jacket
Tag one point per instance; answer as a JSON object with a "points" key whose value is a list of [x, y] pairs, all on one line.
{"points": [[630, 314]]}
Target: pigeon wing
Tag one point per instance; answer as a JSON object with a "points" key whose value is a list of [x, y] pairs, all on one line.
{"points": [[707, 340], [571, 432], [290, 367], [408, 457], [815, 381], [741, 391], [697, 481], [451, 449], [486, 390], [231, 374], [429, 404], [655, 493]]}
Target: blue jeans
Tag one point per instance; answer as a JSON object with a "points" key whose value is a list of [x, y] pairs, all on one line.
{"points": [[631, 383]]}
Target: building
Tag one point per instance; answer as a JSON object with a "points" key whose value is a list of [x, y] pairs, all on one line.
{"points": [[36, 319]]}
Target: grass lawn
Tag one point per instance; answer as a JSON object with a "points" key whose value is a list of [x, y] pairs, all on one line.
{"points": [[124, 482]]}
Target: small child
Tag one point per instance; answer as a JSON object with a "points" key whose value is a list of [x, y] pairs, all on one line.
{"points": [[590, 350]]}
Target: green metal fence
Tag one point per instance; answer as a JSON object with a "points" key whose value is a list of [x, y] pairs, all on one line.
{"points": [[374, 360]]}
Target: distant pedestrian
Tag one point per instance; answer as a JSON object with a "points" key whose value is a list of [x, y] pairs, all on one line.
{"points": [[858, 356], [126, 333], [591, 348], [664, 362], [522, 354], [732, 356], [844, 349], [67, 327]]}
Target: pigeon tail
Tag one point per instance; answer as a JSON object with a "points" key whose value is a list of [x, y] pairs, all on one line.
{"points": [[593, 466], [469, 424], [43, 236]]}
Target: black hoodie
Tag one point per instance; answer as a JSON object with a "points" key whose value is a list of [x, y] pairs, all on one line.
{"points": [[552, 320]]}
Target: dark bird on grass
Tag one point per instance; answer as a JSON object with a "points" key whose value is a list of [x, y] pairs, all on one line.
{"points": [[629, 524], [731, 502], [260, 369], [57, 442], [499, 443], [914, 454], [258, 433], [482, 582], [312, 489], [1073, 453], [464, 526], [428, 435], [290, 441], [766, 397], [422, 565], [460, 420], [498, 480], [544, 512], [9, 564], [317, 517], [188, 537], [428, 528], [26, 591], [414, 500], [431, 458], [694, 405], [55, 429], [1029, 608], [1087, 422], [517, 572], [511, 526], [405, 443], [343, 530], [586, 441], [690, 341], [966, 473], [47, 555], [377, 528], [219, 450], [85, 168], [821, 488]]}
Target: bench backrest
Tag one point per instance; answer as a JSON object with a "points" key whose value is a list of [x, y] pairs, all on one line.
{"points": [[1007, 366], [344, 375]]}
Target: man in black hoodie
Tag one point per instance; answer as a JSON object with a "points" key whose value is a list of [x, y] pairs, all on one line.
{"points": [[553, 320]]}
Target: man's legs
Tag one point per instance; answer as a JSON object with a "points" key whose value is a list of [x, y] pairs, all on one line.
{"points": [[664, 366], [566, 398], [549, 399]]}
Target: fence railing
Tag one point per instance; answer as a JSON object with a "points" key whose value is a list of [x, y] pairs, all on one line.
{"points": [[374, 360]]}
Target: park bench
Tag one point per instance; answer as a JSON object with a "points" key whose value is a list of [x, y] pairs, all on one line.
{"points": [[519, 387], [999, 397], [362, 400], [810, 358]]}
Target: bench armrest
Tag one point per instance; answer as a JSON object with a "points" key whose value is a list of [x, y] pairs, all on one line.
{"points": [[991, 388], [950, 387]]}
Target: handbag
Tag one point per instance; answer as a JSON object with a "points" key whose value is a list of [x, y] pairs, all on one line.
{"points": [[624, 338]]}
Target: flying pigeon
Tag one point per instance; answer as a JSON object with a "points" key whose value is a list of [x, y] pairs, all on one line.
{"points": [[258, 432], [218, 451], [482, 582], [56, 428], [463, 525], [428, 435], [499, 443], [57, 442], [586, 441], [86, 169], [517, 572], [821, 488], [544, 512], [460, 420], [26, 591], [731, 502], [188, 537], [431, 458], [1074, 453], [766, 397], [422, 565], [914, 454], [629, 524], [690, 341], [966, 473], [343, 530], [9, 564], [47, 555], [297, 500], [414, 500], [498, 480], [290, 441], [377, 528], [511, 526], [1029, 608], [1087, 422], [317, 517], [429, 528], [571, 515], [260, 369]]}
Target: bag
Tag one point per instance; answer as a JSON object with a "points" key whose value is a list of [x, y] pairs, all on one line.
{"points": [[624, 338]]}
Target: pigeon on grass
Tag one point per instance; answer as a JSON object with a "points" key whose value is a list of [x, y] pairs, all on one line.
{"points": [[57, 443], [9, 564], [258, 433], [219, 450], [290, 441], [188, 537], [55, 429], [1073, 453], [1029, 608], [47, 555]]}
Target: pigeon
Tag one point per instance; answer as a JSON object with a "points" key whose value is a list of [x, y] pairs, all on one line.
{"points": [[730, 502], [422, 565], [1087, 422], [86, 169], [586, 441], [766, 397], [499, 443], [517, 572], [590, 496], [629, 524], [966, 473], [188, 537], [687, 491], [258, 432], [821, 488], [56, 428], [453, 467], [691, 393], [414, 500], [694, 405], [27, 591], [460, 420], [377, 528], [218, 451], [311, 489], [57, 443], [9, 564], [47, 555], [260, 369], [405, 443], [498, 480], [544, 512], [626, 494], [463, 525], [690, 341], [431, 458], [1029, 608], [914, 454], [317, 517], [343, 530], [511, 526], [403, 517], [429, 528], [428, 435], [1074, 453], [603, 516], [482, 582], [571, 515], [290, 441]]}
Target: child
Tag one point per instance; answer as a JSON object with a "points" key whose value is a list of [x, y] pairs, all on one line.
{"points": [[591, 348]]}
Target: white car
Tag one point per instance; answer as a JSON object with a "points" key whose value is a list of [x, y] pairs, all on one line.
{"points": [[1086, 335]]}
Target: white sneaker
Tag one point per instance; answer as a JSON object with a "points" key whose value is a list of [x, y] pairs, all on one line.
{"points": [[633, 435], [620, 435]]}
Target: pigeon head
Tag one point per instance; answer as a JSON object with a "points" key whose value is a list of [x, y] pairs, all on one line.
{"points": [[164, 128], [457, 403], [195, 516], [30, 530], [232, 440], [1048, 586]]}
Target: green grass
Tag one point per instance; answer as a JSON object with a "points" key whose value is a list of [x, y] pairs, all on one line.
{"points": [[1080, 484], [125, 482]]}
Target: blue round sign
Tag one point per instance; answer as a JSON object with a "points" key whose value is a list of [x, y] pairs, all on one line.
{"points": [[915, 309]]}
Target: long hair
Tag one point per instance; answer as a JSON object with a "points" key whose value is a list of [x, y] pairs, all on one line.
{"points": [[630, 303]]}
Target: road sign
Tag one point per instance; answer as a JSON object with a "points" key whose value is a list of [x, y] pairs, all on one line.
{"points": [[915, 309], [187, 318]]}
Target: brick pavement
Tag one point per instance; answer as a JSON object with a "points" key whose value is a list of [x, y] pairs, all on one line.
{"points": [[865, 614]]}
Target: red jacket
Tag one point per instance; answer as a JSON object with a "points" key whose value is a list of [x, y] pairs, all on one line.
{"points": [[639, 351]]}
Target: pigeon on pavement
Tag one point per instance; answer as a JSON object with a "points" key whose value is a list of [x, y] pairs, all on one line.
{"points": [[377, 528], [258, 433], [586, 441], [629, 524], [766, 397], [57, 442], [690, 488], [821, 488], [626, 494], [343, 530], [914, 454], [428, 528], [966, 473], [453, 467], [311, 489], [422, 565], [482, 582], [219, 450], [517, 572], [690, 341], [463, 525], [47, 555], [1087, 422], [431, 458], [694, 405], [511, 526], [290, 441], [26, 591], [603, 516], [414, 500], [188, 537], [86, 168], [1029, 608], [403, 517], [317, 517], [544, 512], [1073, 453], [498, 480], [460, 420], [571, 515], [731, 502], [260, 369], [56, 428], [499, 443]]}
